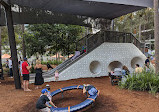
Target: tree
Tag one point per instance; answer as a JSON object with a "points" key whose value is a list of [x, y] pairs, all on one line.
{"points": [[156, 23], [53, 38], [136, 22]]}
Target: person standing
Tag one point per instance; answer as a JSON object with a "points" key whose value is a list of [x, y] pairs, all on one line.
{"points": [[7, 63], [20, 66], [25, 72], [49, 66], [10, 67], [147, 61], [39, 80]]}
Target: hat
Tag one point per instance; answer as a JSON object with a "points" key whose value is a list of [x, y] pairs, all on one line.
{"points": [[44, 91]]}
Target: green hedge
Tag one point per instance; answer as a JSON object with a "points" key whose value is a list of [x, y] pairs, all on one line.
{"points": [[145, 81], [51, 62]]}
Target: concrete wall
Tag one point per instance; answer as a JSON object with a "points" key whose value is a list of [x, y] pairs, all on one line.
{"points": [[104, 58]]}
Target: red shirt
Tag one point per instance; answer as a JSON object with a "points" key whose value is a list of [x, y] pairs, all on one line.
{"points": [[24, 68]]}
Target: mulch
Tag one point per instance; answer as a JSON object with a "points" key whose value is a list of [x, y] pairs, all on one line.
{"points": [[111, 98]]}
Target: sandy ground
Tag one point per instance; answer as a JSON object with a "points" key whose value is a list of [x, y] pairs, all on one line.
{"points": [[111, 98]]}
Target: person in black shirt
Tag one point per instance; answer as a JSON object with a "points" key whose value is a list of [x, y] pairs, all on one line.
{"points": [[49, 66], [41, 103]]}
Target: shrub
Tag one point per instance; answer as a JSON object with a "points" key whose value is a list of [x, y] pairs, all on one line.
{"points": [[145, 81], [55, 62]]}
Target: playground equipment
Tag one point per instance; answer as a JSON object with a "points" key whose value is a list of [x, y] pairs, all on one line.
{"points": [[74, 108], [105, 51]]}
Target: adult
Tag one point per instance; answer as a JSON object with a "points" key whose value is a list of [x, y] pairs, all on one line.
{"points": [[49, 66], [20, 70], [41, 103], [90, 89], [25, 72], [10, 67], [20, 65], [138, 69], [39, 80], [48, 93], [125, 70], [147, 61], [7, 63]]}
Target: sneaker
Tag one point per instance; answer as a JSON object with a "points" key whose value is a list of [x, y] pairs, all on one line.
{"points": [[11, 77]]}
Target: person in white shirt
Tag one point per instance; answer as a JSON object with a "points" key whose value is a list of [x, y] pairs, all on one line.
{"points": [[20, 66], [10, 67]]}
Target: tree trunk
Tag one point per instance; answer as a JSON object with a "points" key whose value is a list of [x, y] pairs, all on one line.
{"points": [[12, 43], [1, 68], [156, 32], [140, 31], [56, 56], [23, 43]]}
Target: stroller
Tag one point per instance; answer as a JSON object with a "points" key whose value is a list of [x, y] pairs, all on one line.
{"points": [[116, 76]]}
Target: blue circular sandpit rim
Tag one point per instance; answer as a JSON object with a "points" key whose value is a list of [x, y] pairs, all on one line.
{"points": [[74, 108]]}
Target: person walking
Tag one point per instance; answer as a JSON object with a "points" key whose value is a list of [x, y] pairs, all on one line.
{"points": [[25, 72], [10, 67], [39, 80]]}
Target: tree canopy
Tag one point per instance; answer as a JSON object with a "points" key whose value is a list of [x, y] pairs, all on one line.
{"points": [[53, 38], [135, 22]]}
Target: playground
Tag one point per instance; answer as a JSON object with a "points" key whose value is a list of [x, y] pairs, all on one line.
{"points": [[92, 53], [111, 98]]}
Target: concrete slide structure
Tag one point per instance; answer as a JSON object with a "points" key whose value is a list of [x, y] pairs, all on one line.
{"points": [[103, 59]]}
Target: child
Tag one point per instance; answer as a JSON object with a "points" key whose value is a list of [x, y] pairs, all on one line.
{"points": [[41, 103], [56, 75], [90, 89], [48, 93]]}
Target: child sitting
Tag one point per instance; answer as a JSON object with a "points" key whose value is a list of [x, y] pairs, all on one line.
{"points": [[90, 89], [41, 103]]}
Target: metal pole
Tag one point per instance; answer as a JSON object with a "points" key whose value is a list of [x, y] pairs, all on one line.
{"points": [[12, 42]]}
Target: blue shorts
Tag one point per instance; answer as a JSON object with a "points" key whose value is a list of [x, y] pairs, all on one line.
{"points": [[92, 91]]}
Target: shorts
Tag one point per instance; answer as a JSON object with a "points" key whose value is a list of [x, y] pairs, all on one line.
{"points": [[45, 110], [26, 77], [92, 91]]}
